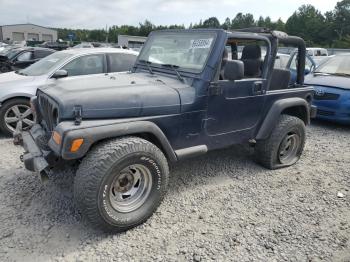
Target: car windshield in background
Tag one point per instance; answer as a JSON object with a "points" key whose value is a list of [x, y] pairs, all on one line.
{"points": [[45, 65], [337, 65], [187, 51], [10, 53]]}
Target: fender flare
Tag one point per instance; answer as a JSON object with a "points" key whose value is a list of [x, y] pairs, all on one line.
{"points": [[275, 111], [93, 131]]}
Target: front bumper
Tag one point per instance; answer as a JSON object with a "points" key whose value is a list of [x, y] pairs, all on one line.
{"points": [[34, 158]]}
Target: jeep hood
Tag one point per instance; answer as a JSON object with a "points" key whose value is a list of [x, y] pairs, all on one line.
{"points": [[116, 95]]}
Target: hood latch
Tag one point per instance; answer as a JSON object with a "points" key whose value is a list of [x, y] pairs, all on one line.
{"points": [[77, 111]]}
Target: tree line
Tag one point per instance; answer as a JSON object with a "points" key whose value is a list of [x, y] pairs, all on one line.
{"points": [[331, 29]]}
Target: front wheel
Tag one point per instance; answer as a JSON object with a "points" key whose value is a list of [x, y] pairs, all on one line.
{"points": [[4, 68], [16, 114], [285, 144], [120, 183]]}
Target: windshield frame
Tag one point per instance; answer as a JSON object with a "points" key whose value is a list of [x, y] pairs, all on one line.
{"points": [[178, 68]]}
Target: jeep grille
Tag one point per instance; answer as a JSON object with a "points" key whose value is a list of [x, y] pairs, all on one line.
{"points": [[48, 111]]}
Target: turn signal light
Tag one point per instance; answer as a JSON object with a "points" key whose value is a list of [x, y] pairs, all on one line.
{"points": [[76, 144], [56, 137]]}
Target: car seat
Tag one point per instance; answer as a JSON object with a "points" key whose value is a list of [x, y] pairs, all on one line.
{"points": [[280, 79], [251, 57]]}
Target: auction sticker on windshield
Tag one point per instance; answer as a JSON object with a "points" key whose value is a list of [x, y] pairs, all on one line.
{"points": [[201, 43]]}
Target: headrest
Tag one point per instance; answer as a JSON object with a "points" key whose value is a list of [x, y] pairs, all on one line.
{"points": [[234, 70], [252, 68], [251, 52]]}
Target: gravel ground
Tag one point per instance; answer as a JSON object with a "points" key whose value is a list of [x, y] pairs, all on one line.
{"points": [[221, 206]]}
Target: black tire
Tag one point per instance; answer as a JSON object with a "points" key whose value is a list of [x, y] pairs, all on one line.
{"points": [[94, 187], [23, 104], [4, 68], [285, 144]]}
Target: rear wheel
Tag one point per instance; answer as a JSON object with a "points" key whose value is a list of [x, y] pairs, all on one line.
{"points": [[120, 183], [16, 114], [284, 146]]}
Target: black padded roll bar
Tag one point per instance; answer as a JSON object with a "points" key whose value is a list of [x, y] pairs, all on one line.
{"points": [[300, 44]]}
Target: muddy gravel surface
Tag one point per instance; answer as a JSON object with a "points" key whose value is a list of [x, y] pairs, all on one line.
{"points": [[219, 207]]}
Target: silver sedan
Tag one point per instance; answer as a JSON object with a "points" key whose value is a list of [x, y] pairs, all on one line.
{"points": [[16, 88]]}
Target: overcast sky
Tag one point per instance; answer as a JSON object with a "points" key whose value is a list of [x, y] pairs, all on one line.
{"points": [[97, 14]]}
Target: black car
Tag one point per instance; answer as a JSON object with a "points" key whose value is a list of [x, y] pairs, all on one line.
{"points": [[58, 46], [22, 57]]}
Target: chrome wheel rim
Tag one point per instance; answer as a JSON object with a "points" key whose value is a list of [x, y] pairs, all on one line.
{"points": [[19, 117], [130, 188], [288, 151]]}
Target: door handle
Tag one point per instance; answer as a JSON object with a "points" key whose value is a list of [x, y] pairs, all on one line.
{"points": [[215, 89], [258, 88]]}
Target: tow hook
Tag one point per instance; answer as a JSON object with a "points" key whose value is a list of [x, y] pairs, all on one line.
{"points": [[17, 139], [44, 176]]}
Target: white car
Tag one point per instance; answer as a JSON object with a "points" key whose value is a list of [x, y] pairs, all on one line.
{"points": [[2, 46], [319, 55], [83, 45], [16, 88]]}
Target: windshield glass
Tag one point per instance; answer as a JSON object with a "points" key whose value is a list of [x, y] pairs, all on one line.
{"points": [[10, 53], [336, 65], [45, 65], [187, 50]]}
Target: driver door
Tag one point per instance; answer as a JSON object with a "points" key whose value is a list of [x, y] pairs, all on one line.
{"points": [[234, 112]]}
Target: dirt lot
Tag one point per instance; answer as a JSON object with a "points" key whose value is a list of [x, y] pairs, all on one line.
{"points": [[219, 207]]}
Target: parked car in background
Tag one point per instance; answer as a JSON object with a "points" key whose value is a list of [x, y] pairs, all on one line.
{"points": [[2, 46], [19, 58], [319, 55], [59, 46], [332, 89], [100, 45], [316, 51], [84, 45], [281, 61], [16, 88]]}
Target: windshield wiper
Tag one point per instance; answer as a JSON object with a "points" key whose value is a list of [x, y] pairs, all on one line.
{"points": [[174, 68], [331, 74], [147, 63], [341, 74]]}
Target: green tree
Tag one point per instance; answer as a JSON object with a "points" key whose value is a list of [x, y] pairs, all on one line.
{"points": [[279, 25], [227, 24], [145, 28], [308, 23], [211, 22], [243, 21], [342, 19]]}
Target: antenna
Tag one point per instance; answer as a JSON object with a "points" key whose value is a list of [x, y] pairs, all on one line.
{"points": [[106, 34]]}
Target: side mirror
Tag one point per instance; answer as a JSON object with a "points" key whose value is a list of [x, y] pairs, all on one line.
{"points": [[60, 74]]}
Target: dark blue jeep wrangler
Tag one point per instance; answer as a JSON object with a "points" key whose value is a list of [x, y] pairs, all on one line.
{"points": [[190, 91]]}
